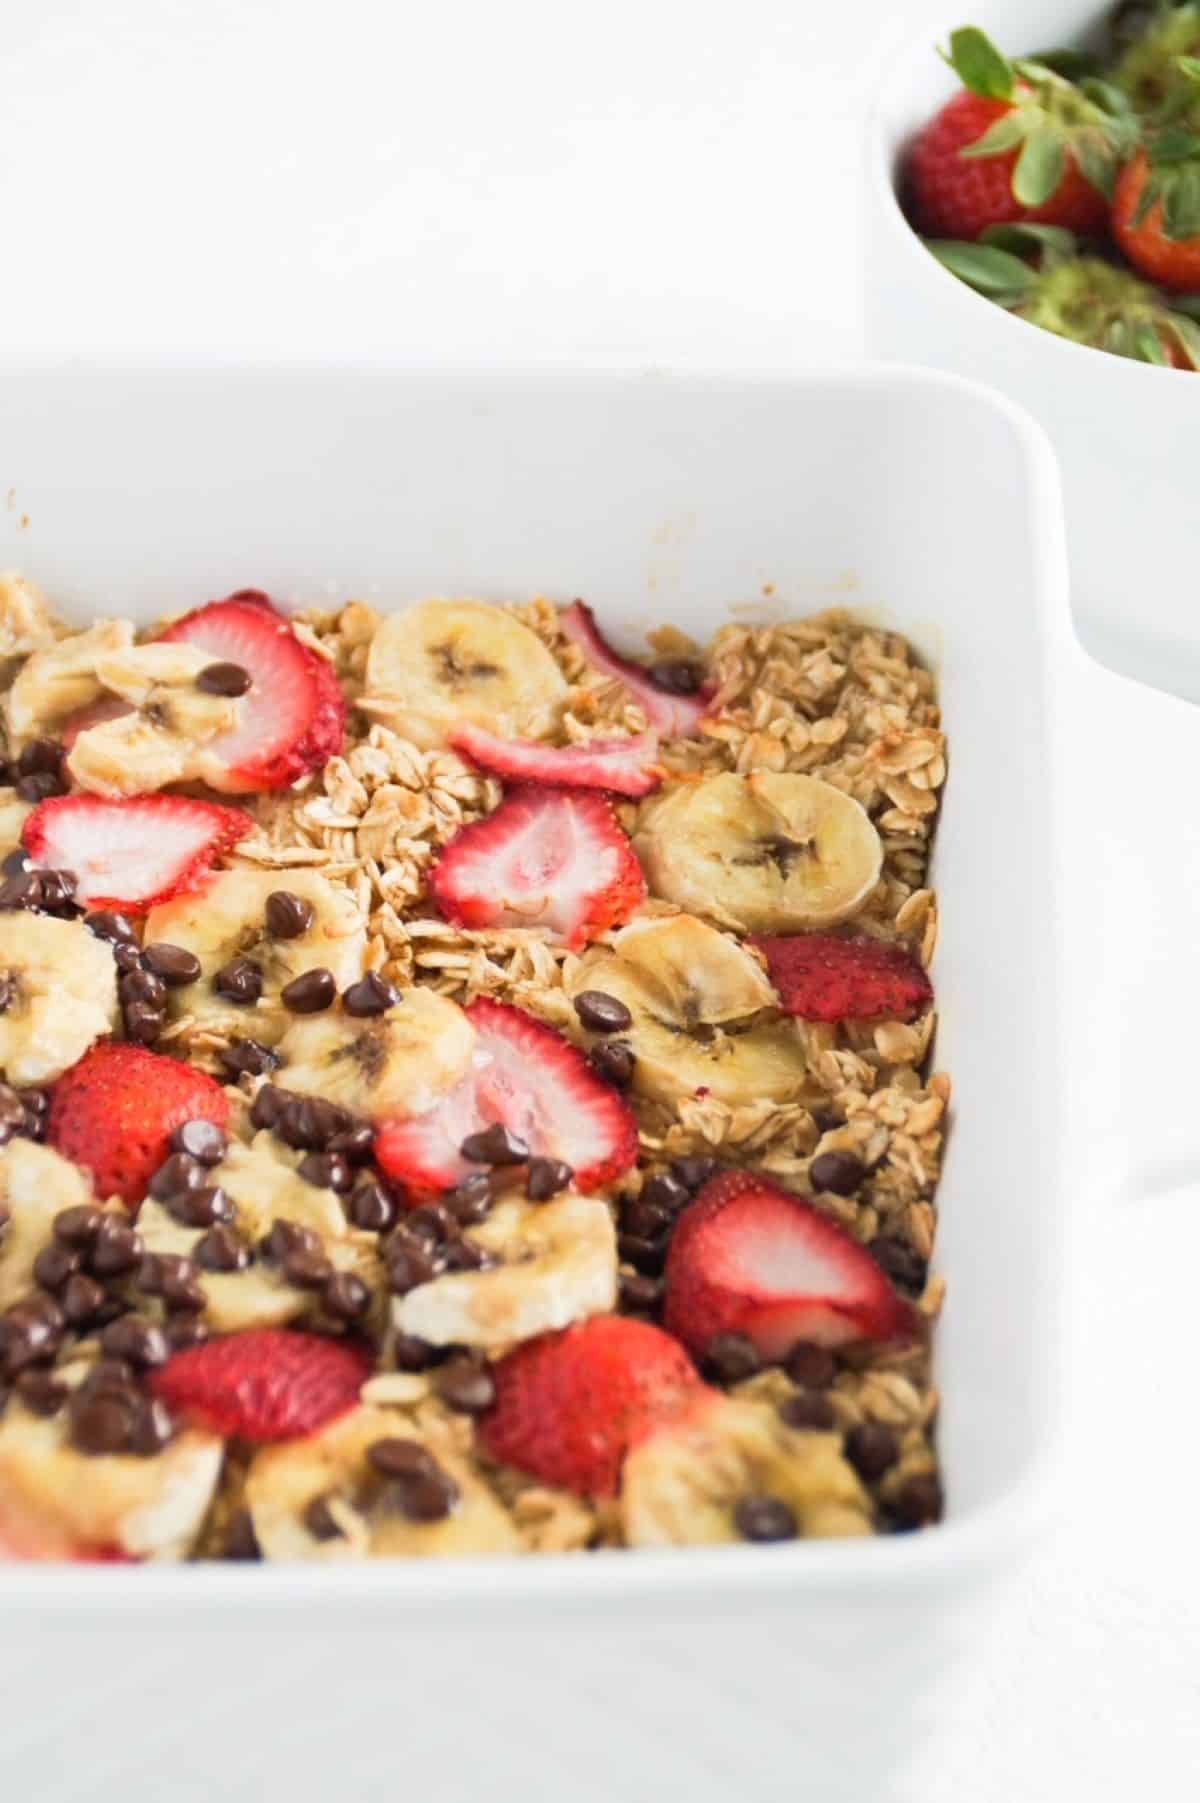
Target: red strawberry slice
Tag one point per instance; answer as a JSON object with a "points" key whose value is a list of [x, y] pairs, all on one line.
{"points": [[115, 1111], [676, 715], [748, 1257], [822, 977], [544, 858], [135, 853], [265, 1384], [570, 1405], [531, 1080], [621, 766], [293, 717]]}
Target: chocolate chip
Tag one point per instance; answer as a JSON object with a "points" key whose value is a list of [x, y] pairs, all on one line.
{"points": [[186, 1331], [113, 927], [470, 1200], [225, 679], [111, 1374], [326, 1170], [409, 1265], [466, 1385], [41, 757], [8, 991], [464, 1255], [126, 958], [839, 1172], [900, 1261], [102, 1424], [677, 675], [355, 1144], [40, 786], [764, 1518], [247, 1058], [239, 981], [220, 1249], [665, 1191], [307, 1270], [41, 1393], [872, 1449], [426, 1498], [82, 1299], [730, 1358], [35, 1101], [647, 1256], [153, 1428], [269, 1104], [371, 1209], [240, 1540], [413, 1354], [17, 860], [613, 1060], [308, 1123], [12, 1109], [78, 1226], [29, 1335], [693, 1173], [175, 1175], [547, 1177], [401, 1458], [309, 993], [813, 1367], [143, 986], [643, 1220], [346, 1296], [286, 1238], [288, 915], [56, 1263], [432, 1224], [21, 890], [141, 1343], [172, 964], [208, 1207], [117, 1248], [640, 1294], [144, 1022], [494, 1145], [200, 1140], [372, 994], [319, 1521], [918, 1502], [808, 1409], [601, 1013]]}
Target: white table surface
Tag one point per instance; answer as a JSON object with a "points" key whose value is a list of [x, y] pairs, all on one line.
{"points": [[670, 181]]}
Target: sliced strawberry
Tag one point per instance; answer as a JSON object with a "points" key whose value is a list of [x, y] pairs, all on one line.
{"points": [[265, 1384], [109, 707], [570, 1405], [115, 1111], [292, 719], [531, 1080], [673, 714], [621, 766], [135, 853], [748, 1257], [544, 858], [822, 977]]}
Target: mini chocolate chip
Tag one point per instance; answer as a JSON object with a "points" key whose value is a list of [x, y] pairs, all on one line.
{"points": [[813, 1367], [918, 1502], [239, 981], [643, 1220], [730, 1358], [693, 1173], [547, 1177], [247, 1058], [346, 1296], [205, 1207], [40, 786], [17, 860], [186, 1331], [309, 993], [288, 915], [640, 1294], [117, 1248], [408, 1266], [111, 1374], [143, 986], [839, 1172], [807, 1409], [172, 964], [872, 1449], [471, 1198], [176, 1174], [413, 1354], [55, 1263], [12, 1108], [35, 1101], [144, 1022], [308, 1123], [464, 1255], [355, 1144], [82, 1299], [646, 1256], [764, 1518], [41, 1393], [240, 1541], [230, 680], [113, 927], [613, 1060], [401, 1458], [372, 994], [220, 1249], [40, 756], [326, 1170], [78, 1226], [270, 1102], [423, 1498], [494, 1145], [27, 1336], [200, 1140], [677, 675], [142, 1343], [432, 1223], [286, 1237], [126, 958], [153, 1428], [307, 1270], [900, 1261], [466, 1385], [601, 1013], [102, 1424], [371, 1209], [319, 1521], [8, 991], [665, 1191]]}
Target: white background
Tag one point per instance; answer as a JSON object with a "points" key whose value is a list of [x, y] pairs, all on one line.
{"points": [[666, 182]]}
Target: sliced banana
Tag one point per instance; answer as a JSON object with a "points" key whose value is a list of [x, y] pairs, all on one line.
{"points": [[61, 985], [60, 680], [36, 1183], [227, 920], [162, 740], [761, 853], [681, 1486], [440, 663], [56, 1502], [13, 814], [26, 623], [699, 1003], [559, 1263], [385, 1066], [332, 1466]]}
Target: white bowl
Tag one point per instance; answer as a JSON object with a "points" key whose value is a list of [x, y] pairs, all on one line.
{"points": [[660, 499], [1125, 433]]}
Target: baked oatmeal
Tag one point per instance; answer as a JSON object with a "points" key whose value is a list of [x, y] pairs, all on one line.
{"points": [[464, 1091]]}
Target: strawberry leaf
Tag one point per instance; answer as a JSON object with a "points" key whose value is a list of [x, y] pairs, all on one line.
{"points": [[1104, 95], [1148, 346], [1072, 65], [1181, 203], [1175, 145], [979, 65], [1004, 134], [996, 273], [1027, 238], [1186, 332], [1039, 167]]}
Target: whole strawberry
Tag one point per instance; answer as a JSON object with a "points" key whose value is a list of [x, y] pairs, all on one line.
{"points": [[1156, 207], [1018, 143]]}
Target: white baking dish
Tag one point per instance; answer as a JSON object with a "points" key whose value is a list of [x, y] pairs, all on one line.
{"points": [[1124, 432], [933, 505]]}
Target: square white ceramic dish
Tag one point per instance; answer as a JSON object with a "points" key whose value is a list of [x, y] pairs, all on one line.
{"points": [[920, 498], [1124, 432]]}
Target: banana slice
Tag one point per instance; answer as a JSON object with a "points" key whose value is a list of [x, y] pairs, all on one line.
{"points": [[559, 1264], [57, 1503], [61, 988], [35, 1184], [697, 1001], [681, 1486], [26, 623], [760, 853], [440, 663], [284, 1481], [60, 680], [13, 814], [227, 920], [162, 740], [388, 1065]]}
